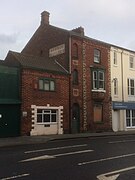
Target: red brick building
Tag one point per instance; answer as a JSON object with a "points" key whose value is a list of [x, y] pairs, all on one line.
{"points": [[44, 94], [87, 61]]}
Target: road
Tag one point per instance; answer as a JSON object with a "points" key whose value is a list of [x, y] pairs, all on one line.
{"points": [[100, 158]]}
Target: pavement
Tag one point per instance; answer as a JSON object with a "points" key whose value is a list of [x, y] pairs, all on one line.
{"points": [[25, 140]]}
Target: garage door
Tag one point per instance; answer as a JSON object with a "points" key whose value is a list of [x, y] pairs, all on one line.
{"points": [[9, 120]]}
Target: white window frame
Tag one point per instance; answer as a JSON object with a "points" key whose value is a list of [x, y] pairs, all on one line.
{"points": [[47, 112], [131, 62], [97, 55], [115, 86], [130, 118], [46, 84], [131, 87], [115, 58], [96, 80]]}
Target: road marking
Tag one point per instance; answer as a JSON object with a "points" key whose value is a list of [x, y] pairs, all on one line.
{"points": [[15, 177], [106, 159], [54, 156], [114, 174], [103, 177], [122, 141], [57, 148]]}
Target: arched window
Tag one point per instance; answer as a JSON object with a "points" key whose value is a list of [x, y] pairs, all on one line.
{"points": [[75, 76], [75, 51]]}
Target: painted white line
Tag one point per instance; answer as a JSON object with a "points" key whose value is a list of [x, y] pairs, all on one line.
{"points": [[57, 148], [71, 153], [114, 174], [15, 177], [103, 177], [106, 159], [54, 156], [38, 158], [122, 141]]}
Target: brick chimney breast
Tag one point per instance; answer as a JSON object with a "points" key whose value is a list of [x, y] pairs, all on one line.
{"points": [[45, 18]]}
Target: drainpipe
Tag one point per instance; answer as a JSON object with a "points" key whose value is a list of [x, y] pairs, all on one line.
{"points": [[122, 76]]}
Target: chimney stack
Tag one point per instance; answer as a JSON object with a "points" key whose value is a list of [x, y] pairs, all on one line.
{"points": [[79, 30], [45, 18]]}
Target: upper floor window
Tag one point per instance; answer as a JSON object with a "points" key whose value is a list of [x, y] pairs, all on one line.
{"points": [[115, 58], [131, 87], [97, 55], [98, 79], [75, 51], [131, 62], [47, 84], [115, 86], [75, 76]]}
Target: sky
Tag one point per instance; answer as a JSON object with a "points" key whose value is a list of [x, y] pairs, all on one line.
{"points": [[111, 21]]}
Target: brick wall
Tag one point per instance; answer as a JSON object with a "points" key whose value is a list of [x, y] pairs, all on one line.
{"points": [[32, 96], [86, 53], [47, 37]]}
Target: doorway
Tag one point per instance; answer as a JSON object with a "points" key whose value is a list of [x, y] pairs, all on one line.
{"points": [[75, 124]]}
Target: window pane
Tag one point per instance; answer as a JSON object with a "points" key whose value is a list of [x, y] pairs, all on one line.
{"points": [[95, 80], [96, 55], [39, 118], [131, 61], [53, 118], [46, 85], [101, 80], [52, 86], [41, 84], [132, 86], [115, 58], [46, 118], [128, 124]]}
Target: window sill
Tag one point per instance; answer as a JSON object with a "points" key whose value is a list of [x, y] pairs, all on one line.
{"points": [[98, 90], [47, 123]]}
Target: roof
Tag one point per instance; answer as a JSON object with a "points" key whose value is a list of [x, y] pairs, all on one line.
{"points": [[35, 62]]}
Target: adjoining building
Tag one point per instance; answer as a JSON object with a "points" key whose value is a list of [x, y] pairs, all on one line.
{"points": [[122, 88], [10, 101], [44, 94]]}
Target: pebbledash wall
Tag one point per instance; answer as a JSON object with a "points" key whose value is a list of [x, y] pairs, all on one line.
{"points": [[33, 99]]}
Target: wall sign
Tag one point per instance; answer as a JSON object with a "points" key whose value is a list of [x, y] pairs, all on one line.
{"points": [[57, 50]]}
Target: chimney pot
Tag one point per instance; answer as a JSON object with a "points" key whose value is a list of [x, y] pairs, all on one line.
{"points": [[45, 18]]}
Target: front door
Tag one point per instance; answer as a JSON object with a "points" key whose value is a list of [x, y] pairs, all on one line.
{"points": [[75, 124]]}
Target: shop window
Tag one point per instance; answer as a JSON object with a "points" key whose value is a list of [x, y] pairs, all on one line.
{"points": [[98, 113]]}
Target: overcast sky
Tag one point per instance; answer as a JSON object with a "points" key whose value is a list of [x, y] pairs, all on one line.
{"points": [[111, 21]]}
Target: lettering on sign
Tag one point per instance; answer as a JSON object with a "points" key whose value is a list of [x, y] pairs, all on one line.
{"points": [[57, 50]]}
